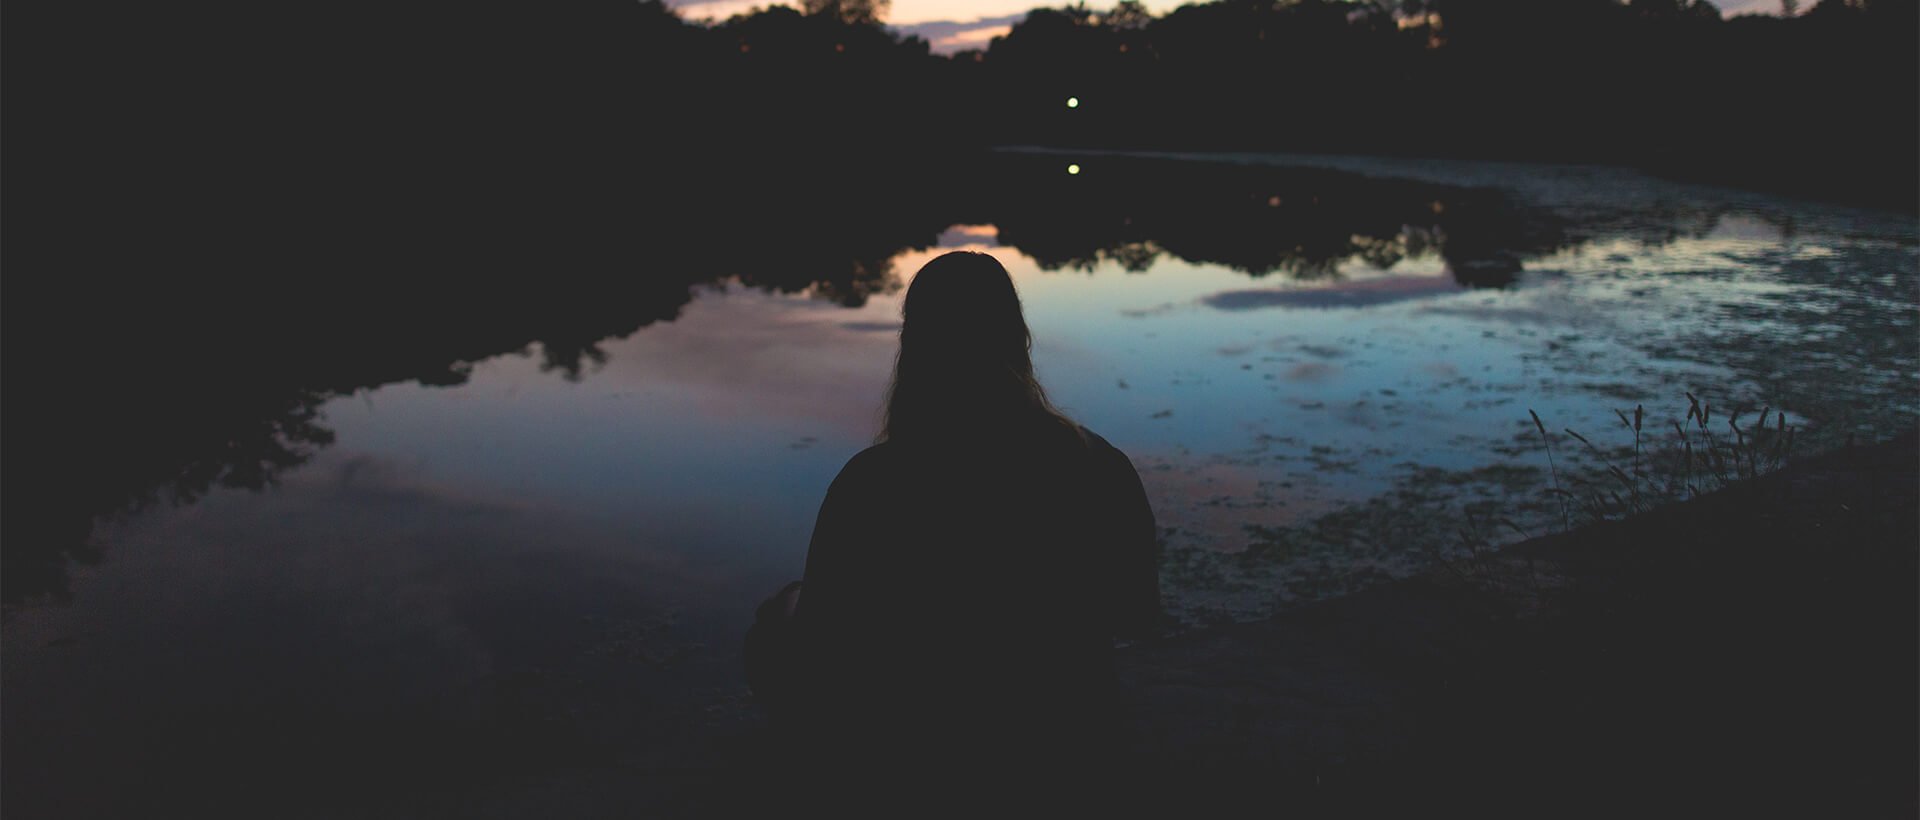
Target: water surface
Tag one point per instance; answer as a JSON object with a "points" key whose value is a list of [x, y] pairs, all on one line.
{"points": [[546, 558]]}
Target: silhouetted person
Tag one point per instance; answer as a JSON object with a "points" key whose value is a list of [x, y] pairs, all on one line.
{"points": [[967, 575]]}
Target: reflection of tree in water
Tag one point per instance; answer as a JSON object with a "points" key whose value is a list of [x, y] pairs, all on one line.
{"points": [[836, 278], [1297, 223], [114, 467], [252, 381], [863, 279], [243, 371], [1669, 222]]}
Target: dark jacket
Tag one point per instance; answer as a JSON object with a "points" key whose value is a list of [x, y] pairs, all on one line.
{"points": [[963, 596]]}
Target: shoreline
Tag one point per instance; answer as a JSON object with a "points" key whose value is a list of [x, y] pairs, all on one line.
{"points": [[1739, 176], [1752, 648]]}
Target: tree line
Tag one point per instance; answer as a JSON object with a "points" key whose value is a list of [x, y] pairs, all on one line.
{"points": [[1818, 103]]}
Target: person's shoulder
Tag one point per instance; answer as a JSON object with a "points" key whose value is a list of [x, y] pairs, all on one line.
{"points": [[864, 474], [874, 460], [1103, 451], [1095, 441]]}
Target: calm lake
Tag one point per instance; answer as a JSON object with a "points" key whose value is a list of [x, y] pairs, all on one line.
{"points": [[1322, 367]]}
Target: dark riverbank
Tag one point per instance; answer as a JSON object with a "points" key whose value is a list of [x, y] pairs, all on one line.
{"points": [[1749, 651]]}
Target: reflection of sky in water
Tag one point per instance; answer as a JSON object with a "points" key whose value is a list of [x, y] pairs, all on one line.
{"points": [[706, 442], [611, 535]]}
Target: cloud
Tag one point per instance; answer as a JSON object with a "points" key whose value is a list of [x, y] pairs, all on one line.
{"points": [[1730, 8], [872, 327], [961, 236], [1364, 293], [698, 10], [942, 36], [948, 36]]}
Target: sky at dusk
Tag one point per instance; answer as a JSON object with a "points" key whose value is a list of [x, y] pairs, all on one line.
{"points": [[957, 25]]}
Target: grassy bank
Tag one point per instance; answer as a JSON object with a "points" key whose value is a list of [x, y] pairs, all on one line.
{"points": [[1752, 649]]}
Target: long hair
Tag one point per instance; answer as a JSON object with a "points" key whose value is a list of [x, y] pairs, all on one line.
{"points": [[965, 366]]}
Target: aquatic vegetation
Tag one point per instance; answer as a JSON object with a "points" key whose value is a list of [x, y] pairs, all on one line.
{"points": [[1457, 521], [1693, 461], [1385, 537]]}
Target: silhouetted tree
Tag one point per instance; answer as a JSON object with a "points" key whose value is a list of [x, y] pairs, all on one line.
{"points": [[855, 12], [1127, 14]]}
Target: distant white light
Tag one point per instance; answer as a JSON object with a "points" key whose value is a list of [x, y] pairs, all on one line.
{"points": [[1073, 102], [1073, 169]]}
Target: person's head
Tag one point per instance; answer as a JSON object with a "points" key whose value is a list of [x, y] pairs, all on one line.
{"points": [[964, 363]]}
